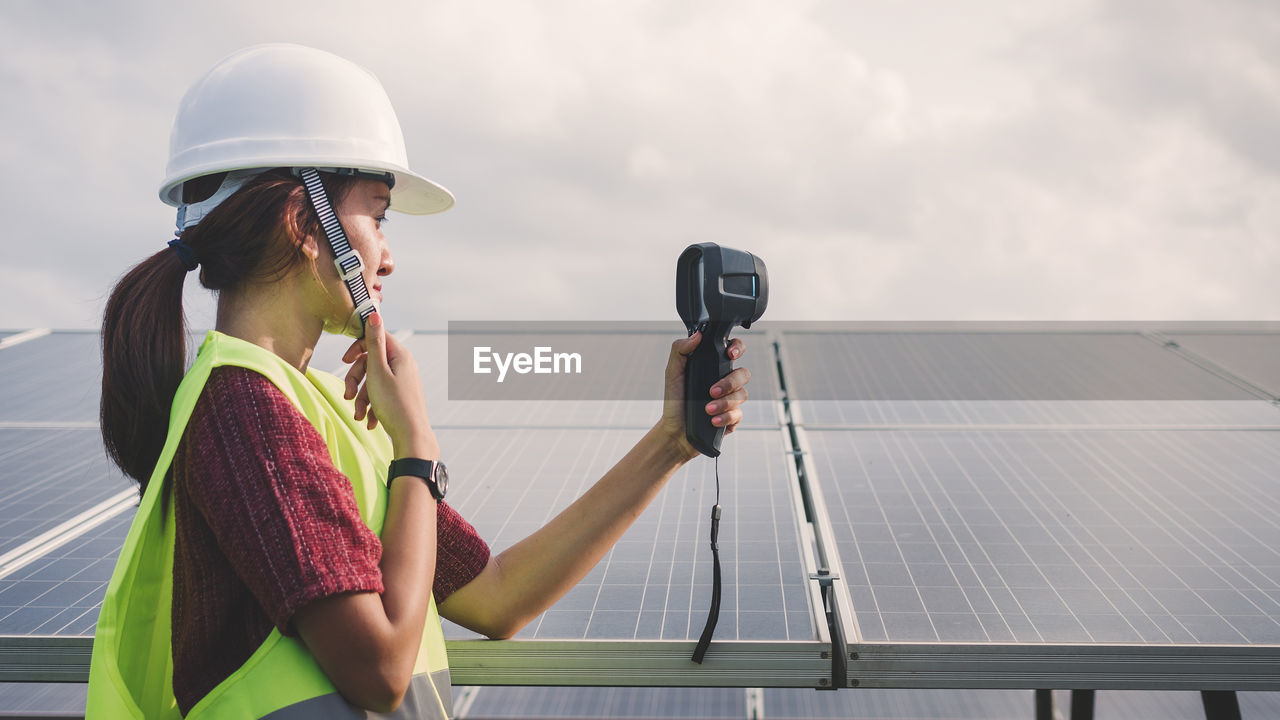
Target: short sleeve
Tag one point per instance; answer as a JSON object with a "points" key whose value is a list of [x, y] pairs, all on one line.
{"points": [[460, 552], [283, 515]]}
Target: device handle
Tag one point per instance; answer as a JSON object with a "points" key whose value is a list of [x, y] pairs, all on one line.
{"points": [[708, 363]]}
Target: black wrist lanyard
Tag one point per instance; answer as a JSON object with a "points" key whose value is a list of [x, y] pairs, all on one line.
{"points": [[713, 615]]}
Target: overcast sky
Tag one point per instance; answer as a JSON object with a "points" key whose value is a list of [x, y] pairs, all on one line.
{"points": [[889, 159]]}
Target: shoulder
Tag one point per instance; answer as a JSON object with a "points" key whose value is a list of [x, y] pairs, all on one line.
{"points": [[239, 402], [244, 432], [235, 383]]}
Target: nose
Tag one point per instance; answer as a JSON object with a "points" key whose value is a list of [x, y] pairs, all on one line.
{"points": [[386, 263]]}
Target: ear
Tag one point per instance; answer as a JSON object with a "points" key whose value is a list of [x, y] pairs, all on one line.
{"points": [[295, 210], [311, 246]]}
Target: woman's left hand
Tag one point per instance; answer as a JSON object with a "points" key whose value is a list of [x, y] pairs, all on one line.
{"points": [[727, 395]]}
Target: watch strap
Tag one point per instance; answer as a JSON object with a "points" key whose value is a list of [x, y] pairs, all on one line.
{"points": [[417, 467]]}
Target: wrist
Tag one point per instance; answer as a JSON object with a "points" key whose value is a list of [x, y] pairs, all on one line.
{"points": [[432, 473], [421, 445], [676, 446]]}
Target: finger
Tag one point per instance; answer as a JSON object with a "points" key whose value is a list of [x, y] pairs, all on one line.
{"points": [[355, 374], [375, 341], [737, 348], [727, 420], [373, 418], [685, 346], [362, 402], [353, 352], [728, 402], [732, 382], [679, 357], [393, 349]]}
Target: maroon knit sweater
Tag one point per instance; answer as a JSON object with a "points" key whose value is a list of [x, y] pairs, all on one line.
{"points": [[267, 524]]}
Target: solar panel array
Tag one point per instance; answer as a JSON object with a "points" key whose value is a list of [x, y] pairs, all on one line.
{"points": [[991, 492], [978, 494]]}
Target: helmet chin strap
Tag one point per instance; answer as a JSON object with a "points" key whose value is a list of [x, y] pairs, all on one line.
{"points": [[349, 263]]}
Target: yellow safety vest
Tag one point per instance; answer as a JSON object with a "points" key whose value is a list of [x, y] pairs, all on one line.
{"points": [[131, 673]]}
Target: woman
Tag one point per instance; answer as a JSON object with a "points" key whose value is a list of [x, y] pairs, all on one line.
{"points": [[284, 556]]}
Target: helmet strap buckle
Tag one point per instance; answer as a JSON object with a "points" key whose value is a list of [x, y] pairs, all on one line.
{"points": [[348, 262]]}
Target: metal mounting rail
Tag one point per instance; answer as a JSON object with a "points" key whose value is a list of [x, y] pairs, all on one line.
{"points": [[834, 593]]}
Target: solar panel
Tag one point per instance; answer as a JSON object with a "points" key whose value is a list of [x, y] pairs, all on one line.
{"points": [[61, 592], [69, 570], [866, 704], [53, 378], [873, 704], [1007, 379], [1142, 537], [49, 476], [1017, 414], [43, 700], [1043, 365], [619, 702], [1052, 537], [655, 584], [1255, 357]]}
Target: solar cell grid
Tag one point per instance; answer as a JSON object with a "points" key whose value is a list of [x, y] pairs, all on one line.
{"points": [[994, 366], [1255, 357], [876, 704], [1008, 379], [656, 582], [1016, 413], [49, 476], [1147, 537], [60, 593], [621, 702], [54, 378]]}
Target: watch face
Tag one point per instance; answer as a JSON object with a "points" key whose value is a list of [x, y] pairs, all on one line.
{"points": [[442, 478]]}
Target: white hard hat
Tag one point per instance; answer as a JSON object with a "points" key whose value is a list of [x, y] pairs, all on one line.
{"points": [[281, 105]]}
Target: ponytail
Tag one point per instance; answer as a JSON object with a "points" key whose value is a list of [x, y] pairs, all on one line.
{"points": [[144, 336], [253, 236]]}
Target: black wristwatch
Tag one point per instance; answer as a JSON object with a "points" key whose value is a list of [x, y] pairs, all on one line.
{"points": [[431, 471]]}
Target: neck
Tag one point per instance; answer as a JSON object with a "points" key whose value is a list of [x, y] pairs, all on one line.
{"points": [[273, 317]]}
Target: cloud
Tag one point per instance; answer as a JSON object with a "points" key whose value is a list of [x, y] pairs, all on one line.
{"points": [[1216, 65], [1074, 162]]}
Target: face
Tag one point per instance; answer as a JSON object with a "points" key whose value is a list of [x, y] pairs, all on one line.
{"points": [[362, 213]]}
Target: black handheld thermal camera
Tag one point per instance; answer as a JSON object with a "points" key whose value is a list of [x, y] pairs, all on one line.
{"points": [[716, 289]]}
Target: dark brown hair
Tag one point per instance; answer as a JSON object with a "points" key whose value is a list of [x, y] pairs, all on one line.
{"points": [[254, 235]]}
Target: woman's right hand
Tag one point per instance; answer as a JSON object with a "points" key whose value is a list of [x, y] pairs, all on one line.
{"points": [[383, 380]]}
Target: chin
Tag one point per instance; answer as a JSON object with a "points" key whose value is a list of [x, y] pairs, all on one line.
{"points": [[351, 326]]}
